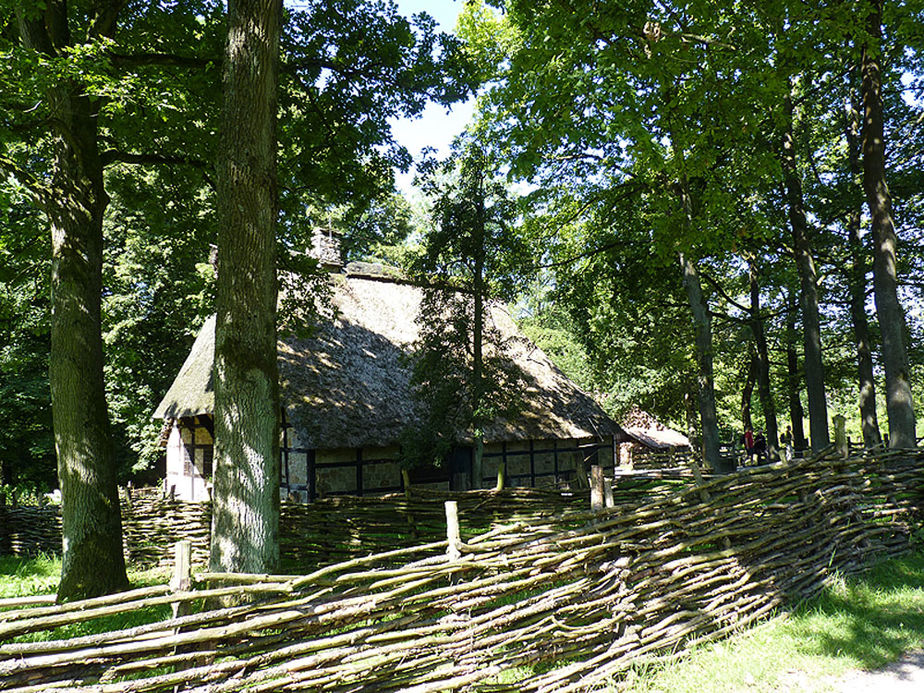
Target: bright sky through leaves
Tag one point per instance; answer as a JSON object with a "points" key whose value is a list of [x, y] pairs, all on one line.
{"points": [[435, 127]]}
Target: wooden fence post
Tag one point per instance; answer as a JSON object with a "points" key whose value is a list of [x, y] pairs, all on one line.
{"points": [[840, 435], [596, 488], [182, 574], [608, 493], [698, 478], [453, 535]]}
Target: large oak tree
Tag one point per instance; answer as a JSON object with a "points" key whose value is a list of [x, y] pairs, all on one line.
{"points": [[62, 117]]}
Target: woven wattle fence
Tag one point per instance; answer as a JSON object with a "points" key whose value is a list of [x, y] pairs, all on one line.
{"points": [[556, 603], [324, 532]]}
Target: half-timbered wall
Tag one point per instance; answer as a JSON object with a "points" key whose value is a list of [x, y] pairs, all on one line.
{"points": [[307, 474], [544, 463], [189, 459]]}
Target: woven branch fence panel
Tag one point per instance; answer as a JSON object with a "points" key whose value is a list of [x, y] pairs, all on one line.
{"points": [[571, 602], [322, 533]]}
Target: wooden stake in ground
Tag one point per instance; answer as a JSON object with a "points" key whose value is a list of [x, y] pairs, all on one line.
{"points": [[840, 436], [453, 534], [182, 575], [596, 488]]}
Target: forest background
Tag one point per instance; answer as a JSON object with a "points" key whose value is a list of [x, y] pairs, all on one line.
{"points": [[632, 134]]}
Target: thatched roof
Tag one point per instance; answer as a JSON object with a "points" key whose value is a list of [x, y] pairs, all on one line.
{"points": [[658, 440], [646, 430], [192, 392], [349, 385]]}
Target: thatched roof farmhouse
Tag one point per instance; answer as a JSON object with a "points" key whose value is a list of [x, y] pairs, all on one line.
{"points": [[346, 399]]}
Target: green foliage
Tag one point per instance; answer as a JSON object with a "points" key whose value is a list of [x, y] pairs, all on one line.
{"points": [[560, 345], [147, 106], [348, 67], [455, 405], [473, 239], [472, 256], [652, 129], [27, 457], [158, 291], [368, 232], [489, 39]]}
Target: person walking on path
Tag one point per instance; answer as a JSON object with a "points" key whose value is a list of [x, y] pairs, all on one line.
{"points": [[748, 446], [786, 440]]}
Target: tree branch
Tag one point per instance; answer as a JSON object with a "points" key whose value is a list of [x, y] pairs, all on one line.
{"points": [[105, 16], [112, 156], [723, 294], [164, 60], [37, 190], [370, 72]]}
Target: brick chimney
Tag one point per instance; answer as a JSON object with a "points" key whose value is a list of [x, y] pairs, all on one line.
{"points": [[325, 247]]}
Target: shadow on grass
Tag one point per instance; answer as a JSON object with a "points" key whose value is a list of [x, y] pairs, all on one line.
{"points": [[34, 566], [873, 618], [25, 577]]}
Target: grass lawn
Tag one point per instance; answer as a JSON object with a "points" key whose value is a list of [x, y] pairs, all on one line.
{"points": [[865, 622], [24, 577]]}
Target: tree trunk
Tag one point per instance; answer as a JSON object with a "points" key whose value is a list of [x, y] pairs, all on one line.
{"points": [[477, 377], [869, 419], [763, 365], [93, 563], [811, 322], [478, 336], [705, 383], [702, 326], [245, 516], [747, 393], [793, 378], [899, 403]]}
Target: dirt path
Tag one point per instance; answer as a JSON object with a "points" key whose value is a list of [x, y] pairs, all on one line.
{"points": [[905, 676]]}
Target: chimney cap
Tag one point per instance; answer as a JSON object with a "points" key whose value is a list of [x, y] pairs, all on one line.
{"points": [[325, 247]]}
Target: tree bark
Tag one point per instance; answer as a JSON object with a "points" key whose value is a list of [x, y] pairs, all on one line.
{"points": [[705, 379], [747, 393], [245, 516], [811, 321], [899, 403], [793, 376], [763, 365], [478, 337], [93, 563], [869, 419], [477, 376]]}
